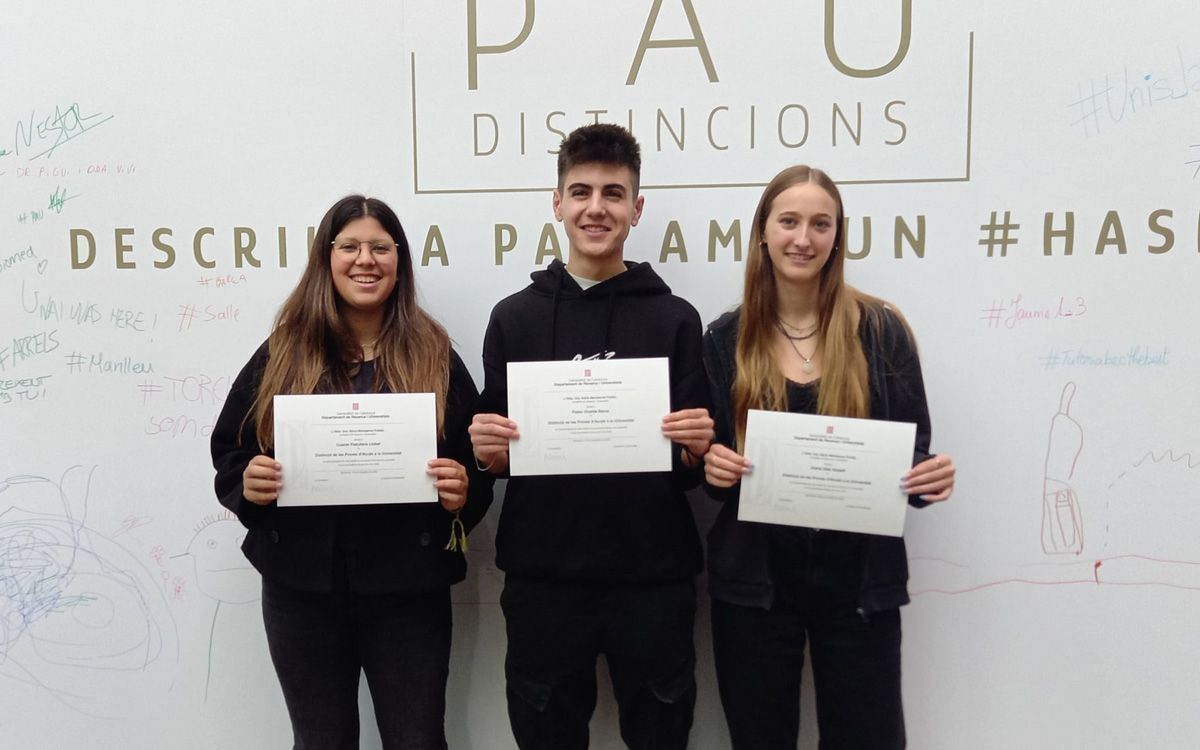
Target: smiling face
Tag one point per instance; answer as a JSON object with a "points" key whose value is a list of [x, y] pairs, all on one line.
{"points": [[363, 261], [800, 232], [597, 205]]}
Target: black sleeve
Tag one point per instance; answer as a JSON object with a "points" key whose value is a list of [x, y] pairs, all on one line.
{"points": [[720, 382], [494, 399], [689, 390], [905, 387], [462, 400], [234, 443]]}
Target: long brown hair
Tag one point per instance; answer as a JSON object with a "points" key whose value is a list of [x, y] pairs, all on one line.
{"points": [[313, 349], [845, 388]]}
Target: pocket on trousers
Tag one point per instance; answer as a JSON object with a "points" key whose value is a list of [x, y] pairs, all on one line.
{"points": [[675, 687], [534, 692]]}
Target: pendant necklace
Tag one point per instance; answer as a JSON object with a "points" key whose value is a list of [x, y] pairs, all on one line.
{"points": [[808, 361]]}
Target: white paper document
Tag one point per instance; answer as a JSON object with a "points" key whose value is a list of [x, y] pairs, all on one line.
{"points": [[589, 416], [826, 472], [357, 448]]}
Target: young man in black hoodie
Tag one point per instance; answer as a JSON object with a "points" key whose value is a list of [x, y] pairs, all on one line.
{"points": [[598, 563]]}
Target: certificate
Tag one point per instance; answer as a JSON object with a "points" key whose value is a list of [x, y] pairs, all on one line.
{"points": [[354, 449], [826, 472], [589, 416]]}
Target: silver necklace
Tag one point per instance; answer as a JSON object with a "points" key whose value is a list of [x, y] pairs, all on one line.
{"points": [[783, 328], [798, 333], [808, 361]]}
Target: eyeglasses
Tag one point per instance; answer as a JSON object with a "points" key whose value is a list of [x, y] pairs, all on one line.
{"points": [[349, 246]]}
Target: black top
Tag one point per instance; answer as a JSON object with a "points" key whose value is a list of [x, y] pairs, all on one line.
{"points": [[379, 548], [801, 558], [740, 570], [597, 527]]}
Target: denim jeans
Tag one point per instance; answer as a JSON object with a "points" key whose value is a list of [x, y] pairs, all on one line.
{"points": [[556, 631], [320, 642]]}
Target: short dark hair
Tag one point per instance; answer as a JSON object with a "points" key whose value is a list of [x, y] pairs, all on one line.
{"points": [[602, 142]]}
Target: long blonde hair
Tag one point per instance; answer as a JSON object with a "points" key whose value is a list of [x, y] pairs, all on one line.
{"points": [[760, 384], [312, 348]]}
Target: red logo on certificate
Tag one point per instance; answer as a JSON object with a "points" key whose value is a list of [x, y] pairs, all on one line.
{"points": [[587, 373], [354, 406], [829, 430]]}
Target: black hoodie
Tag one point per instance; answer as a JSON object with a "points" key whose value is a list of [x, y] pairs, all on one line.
{"points": [[625, 528], [385, 548]]}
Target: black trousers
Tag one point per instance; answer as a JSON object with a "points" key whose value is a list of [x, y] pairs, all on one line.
{"points": [[555, 633], [856, 673], [321, 642]]}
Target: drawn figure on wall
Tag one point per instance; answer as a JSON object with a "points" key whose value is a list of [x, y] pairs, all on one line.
{"points": [[1062, 521], [80, 616], [222, 571]]}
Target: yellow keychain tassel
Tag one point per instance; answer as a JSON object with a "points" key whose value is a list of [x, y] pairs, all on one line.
{"points": [[458, 536]]}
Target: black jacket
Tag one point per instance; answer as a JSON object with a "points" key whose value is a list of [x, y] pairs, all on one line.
{"points": [[616, 528], [738, 571], [391, 547]]}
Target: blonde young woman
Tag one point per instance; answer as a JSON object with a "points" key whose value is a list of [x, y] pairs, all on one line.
{"points": [[805, 341], [352, 589]]}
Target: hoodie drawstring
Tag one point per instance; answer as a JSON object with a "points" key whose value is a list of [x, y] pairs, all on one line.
{"points": [[612, 306], [554, 320]]}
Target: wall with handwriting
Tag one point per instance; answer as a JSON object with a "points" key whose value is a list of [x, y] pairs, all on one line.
{"points": [[1023, 181]]}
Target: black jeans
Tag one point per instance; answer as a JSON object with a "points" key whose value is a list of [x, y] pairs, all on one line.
{"points": [[321, 642], [856, 673], [555, 633]]}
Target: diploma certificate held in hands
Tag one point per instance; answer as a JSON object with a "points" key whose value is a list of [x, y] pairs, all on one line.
{"points": [[826, 472], [357, 448], [589, 416]]}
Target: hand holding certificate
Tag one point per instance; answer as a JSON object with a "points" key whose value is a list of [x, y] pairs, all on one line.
{"points": [[589, 417], [826, 472], [364, 448]]}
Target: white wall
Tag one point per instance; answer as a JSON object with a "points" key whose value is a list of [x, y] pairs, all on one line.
{"points": [[120, 121]]}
